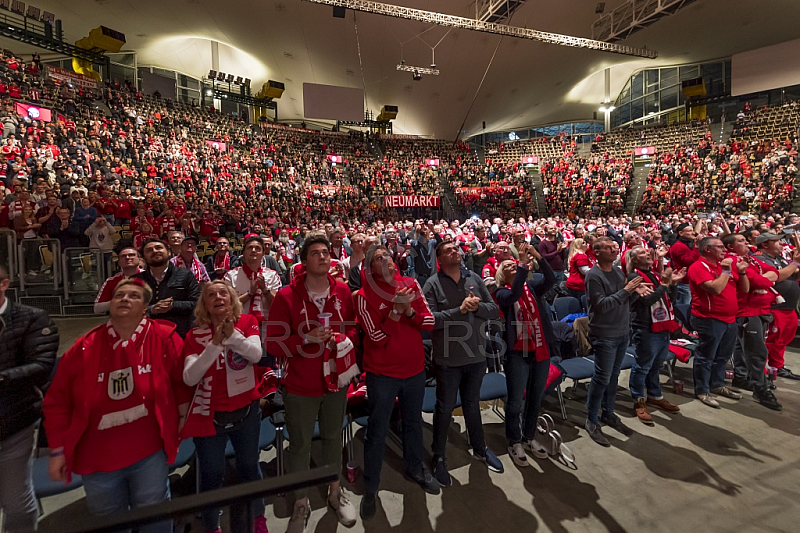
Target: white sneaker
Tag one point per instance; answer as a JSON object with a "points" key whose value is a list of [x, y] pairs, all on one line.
{"points": [[535, 448], [345, 511], [517, 455]]}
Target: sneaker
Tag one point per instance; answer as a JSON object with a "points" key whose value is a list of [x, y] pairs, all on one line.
{"points": [[597, 434], [425, 480], [615, 422], [768, 400], [536, 448], [784, 372], [742, 383], [369, 503], [641, 412], [440, 472], [727, 393], [708, 400], [218, 530], [491, 460], [260, 525], [338, 501], [663, 404], [299, 519], [517, 454]]}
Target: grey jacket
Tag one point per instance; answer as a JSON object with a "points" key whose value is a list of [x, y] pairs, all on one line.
{"points": [[459, 339]]}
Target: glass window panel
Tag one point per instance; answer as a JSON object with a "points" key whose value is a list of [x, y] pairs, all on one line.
{"points": [[692, 71], [669, 98], [651, 104], [651, 76], [637, 85], [637, 108], [669, 76], [624, 113]]}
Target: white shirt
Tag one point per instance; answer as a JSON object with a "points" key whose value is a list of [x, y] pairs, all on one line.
{"points": [[241, 283]]}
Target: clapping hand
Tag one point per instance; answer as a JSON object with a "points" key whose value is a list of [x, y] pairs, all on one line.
{"points": [[742, 264], [678, 275], [470, 303], [402, 299]]}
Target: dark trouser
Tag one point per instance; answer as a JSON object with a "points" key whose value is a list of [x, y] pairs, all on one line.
{"points": [[652, 350], [682, 294], [380, 401], [524, 373], [17, 500], [715, 340], [302, 413], [608, 355], [211, 461], [751, 338], [449, 381]]}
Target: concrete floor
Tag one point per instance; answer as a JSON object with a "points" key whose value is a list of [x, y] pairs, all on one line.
{"points": [[732, 469]]}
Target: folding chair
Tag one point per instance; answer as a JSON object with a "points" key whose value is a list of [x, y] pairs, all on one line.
{"points": [[576, 369], [566, 305]]}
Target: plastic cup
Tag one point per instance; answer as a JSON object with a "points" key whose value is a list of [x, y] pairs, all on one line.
{"points": [[677, 386], [325, 319]]}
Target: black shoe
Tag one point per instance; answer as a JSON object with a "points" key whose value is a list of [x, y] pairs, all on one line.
{"points": [[768, 400], [742, 383], [425, 480], [369, 503], [613, 421], [784, 372], [597, 434], [440, 472]]}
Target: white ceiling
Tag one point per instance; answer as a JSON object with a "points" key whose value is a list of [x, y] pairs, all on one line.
{"points": [[528, 83]]}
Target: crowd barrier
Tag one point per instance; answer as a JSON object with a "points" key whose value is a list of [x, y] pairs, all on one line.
{"points": [[62, 282]]}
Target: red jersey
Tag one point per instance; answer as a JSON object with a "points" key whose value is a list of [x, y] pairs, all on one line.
{"points": [[761, 296], [723, 306], [576, 279]]}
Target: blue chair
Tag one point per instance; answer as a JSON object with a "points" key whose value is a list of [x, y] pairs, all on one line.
{"points": [[185, 453], [566, 305], [44, 487], [266, 438], [429, 401], [576, 369], [629, 359], [493, 389]]}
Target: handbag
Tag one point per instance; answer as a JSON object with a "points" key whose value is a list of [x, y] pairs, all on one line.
{"points": [[227, 420]]}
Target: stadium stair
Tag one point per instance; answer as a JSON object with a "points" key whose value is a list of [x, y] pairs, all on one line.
{"points": [[638, 185], [538, 189]]}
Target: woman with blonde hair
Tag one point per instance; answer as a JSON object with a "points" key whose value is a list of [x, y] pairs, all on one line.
{"points": [[219, 359], [579, 264], [527, 334]]}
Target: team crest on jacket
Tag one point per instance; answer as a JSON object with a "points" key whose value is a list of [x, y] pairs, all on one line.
{"points": [[120, 383], [236, 361]]}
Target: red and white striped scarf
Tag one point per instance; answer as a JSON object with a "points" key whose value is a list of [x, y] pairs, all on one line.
{"points": [[255, 299]]}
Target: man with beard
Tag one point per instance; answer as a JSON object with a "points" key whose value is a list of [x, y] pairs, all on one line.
{"points": [[175, 289]]}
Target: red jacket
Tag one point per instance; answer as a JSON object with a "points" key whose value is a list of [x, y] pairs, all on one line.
{"points": [[683, 256], [67, 403], [706, 305], [393, 349], [293, 314], [761, 296]]}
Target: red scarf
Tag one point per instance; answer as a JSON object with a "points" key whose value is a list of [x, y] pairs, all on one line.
{"points": [[225, 264], [530, 336], [255, 299], [663, 318], [194, 267]]}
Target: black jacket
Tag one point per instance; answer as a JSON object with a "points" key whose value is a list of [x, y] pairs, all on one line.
{"points": [[181, 285], [28, 347], [506, 298]]}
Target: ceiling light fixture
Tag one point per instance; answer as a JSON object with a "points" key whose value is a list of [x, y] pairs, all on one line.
{"points": [[442, 19], [420, 70]]}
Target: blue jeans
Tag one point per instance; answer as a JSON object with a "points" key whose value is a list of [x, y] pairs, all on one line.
{"points": [[449, 381], [211, 461], [715, 340], [682, 294], [380, 401], [608, 355], [652, 350], [524, 372], [140, 484]]}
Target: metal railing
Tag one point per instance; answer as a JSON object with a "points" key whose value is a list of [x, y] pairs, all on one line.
{"points": [[189, 505]]}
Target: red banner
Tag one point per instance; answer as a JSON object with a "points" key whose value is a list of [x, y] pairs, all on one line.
{"points": [[67, 76], [530, 160], [645, 150], [34, 112], [489, 190], [216, 145], [411, 201], [335, 158], [432, 162]]}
